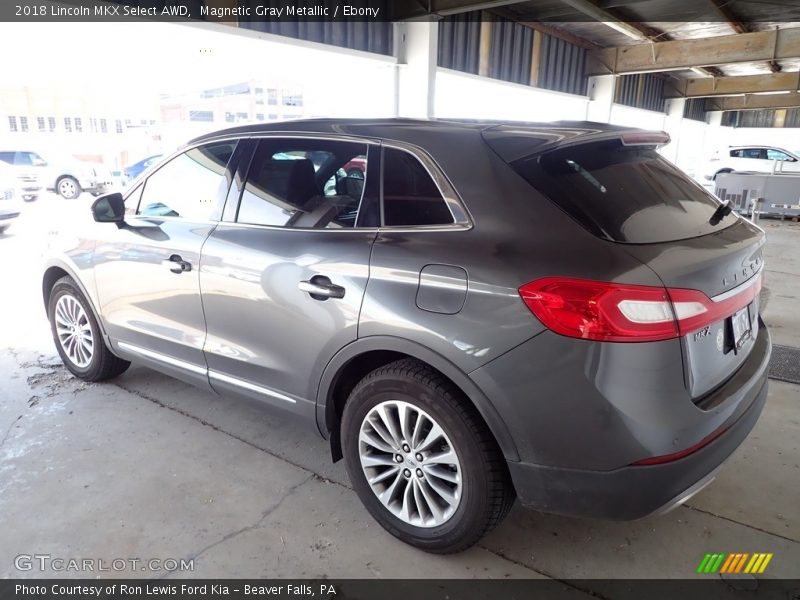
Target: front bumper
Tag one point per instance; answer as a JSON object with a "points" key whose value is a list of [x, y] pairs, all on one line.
{"points": [[96, 187], [8, 215], [635, 491]]}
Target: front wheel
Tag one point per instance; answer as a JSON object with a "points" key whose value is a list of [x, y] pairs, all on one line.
{"points": [[68, 188], [77, 335], [421, 459]]}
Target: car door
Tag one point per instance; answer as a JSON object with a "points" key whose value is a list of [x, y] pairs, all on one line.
{"points": [[147, 271], [283, 275]]}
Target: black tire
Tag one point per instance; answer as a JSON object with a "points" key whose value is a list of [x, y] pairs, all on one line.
{"points": [[103, 364], [68, 187], [355, 173], [486, 493]]}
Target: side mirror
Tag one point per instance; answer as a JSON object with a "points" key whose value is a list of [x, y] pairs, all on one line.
{"points": [[109, 208]]}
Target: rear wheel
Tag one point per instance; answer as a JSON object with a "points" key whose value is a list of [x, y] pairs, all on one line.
{"points": [[68, 187], [421, 459], [77, 335]]}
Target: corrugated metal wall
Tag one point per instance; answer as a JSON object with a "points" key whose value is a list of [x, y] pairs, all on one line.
{"points": [[510, 52], [459, 42], [367, 36], [760, 118], [695, 109], [561, 64], [792, 118], [643, 90]]}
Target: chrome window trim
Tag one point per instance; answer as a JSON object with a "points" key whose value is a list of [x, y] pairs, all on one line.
{"points": [[461, 217]]}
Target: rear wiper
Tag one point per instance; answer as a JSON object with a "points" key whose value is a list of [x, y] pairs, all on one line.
{"points": [[723, 210]]}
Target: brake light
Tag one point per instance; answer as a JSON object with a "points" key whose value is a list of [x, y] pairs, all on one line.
{"points": [[645, 138], [612, 312]]}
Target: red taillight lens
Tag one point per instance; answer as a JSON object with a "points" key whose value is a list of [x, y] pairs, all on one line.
{"points": [[611, 312]]}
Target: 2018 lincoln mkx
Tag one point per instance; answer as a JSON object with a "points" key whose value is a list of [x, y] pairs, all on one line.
{"points": [[480, 312]]}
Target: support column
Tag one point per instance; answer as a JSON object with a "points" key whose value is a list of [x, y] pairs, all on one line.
{"points": [[715, 118], [601, 97], [416, 49], [675, 110]]}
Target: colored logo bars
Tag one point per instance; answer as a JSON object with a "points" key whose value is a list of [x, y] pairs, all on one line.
{"points": [[741, 562]]}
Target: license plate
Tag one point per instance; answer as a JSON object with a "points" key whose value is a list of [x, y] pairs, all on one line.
{"points": [[741, 326]]}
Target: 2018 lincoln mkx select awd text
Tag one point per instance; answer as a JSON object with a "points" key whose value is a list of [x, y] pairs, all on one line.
{"points": [[483, 311]]}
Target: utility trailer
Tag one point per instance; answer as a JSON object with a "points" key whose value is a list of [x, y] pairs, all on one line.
{"points": [[777, 193]]}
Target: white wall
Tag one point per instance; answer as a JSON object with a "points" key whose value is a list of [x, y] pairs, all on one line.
{"points": [[462, 95]]}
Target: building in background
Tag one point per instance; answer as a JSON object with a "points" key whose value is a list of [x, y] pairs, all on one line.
{"points": [[116, 129]]}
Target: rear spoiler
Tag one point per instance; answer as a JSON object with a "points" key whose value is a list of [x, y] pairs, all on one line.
{"points": [[513, 143]]}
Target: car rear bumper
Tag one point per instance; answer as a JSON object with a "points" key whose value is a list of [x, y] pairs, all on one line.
{"points": [[635, 491]]}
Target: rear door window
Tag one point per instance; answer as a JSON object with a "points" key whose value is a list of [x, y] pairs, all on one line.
{"points": [[410, 196], [623, 193], [305, 184]]}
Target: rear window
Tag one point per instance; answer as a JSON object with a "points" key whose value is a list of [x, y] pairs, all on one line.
{"points": [[623, 193]]}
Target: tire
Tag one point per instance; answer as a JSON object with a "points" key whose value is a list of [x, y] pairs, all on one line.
{"points": [[68, 188], [478, 489], [355, 173], [90, 359]]}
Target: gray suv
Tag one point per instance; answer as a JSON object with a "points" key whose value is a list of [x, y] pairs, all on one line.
{"points": [[487, 311]]}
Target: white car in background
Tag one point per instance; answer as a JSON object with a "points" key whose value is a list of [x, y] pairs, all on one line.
{"points": [[10, 205], [67, 176], [761, 159]]}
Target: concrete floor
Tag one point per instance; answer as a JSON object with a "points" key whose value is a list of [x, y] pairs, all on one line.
{"points": [[148, 467]]}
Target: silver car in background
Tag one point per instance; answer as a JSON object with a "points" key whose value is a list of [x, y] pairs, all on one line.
{"points": [[10, 204]]}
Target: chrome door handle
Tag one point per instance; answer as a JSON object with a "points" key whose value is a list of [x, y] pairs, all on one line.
{"points": [[321, 288], [176, 264]]}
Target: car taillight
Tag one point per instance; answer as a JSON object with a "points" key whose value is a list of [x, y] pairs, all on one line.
{"points": [[612, 312]]}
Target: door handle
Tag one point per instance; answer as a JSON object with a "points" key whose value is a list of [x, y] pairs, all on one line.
{"points": [[176, 264], [320, 287]]}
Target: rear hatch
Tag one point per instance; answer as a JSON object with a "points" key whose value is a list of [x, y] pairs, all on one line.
{"points": [[616, 185]]}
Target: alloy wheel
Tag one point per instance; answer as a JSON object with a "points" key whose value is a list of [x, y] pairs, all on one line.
{"points": [[74, 331], [410, 463]]}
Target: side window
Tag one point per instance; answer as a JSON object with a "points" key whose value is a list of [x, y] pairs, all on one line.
{"points": [[7, 157], [778, 155], [23, 158], [189, 185], [753, 153], [410, 196], [737, 153], [304, 184]]}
